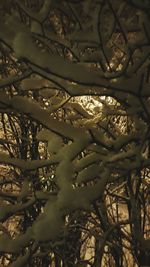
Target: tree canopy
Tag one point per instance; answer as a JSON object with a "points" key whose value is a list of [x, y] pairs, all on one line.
{"points": [[74, 133]]}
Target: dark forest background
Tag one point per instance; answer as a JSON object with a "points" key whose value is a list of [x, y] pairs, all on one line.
{"points": [[74, 133]]}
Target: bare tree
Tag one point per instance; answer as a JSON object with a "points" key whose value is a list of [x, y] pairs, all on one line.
{"points": [[75, 128]]}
